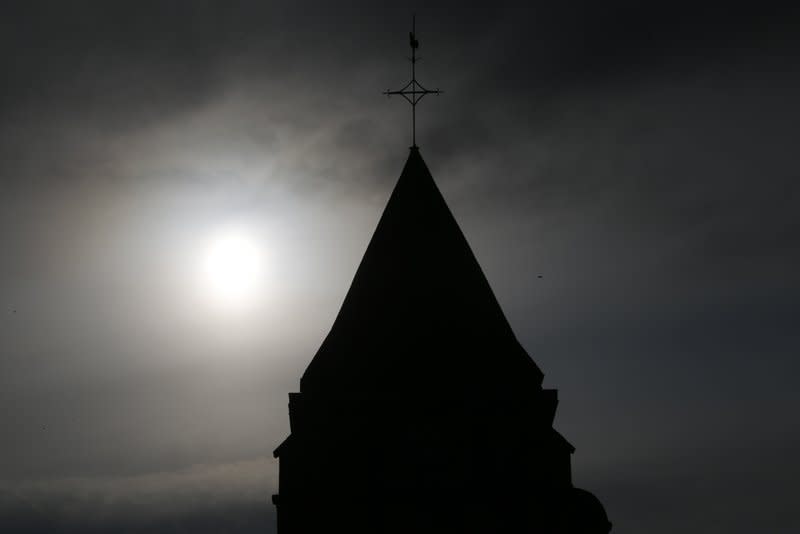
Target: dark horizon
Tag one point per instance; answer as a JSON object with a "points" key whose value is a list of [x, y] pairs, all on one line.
{"points": [[623, 173]]}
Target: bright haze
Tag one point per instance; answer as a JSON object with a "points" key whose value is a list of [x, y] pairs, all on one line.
{"points": [[188, 188]]}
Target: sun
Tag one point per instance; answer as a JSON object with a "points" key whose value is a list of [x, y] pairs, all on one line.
{"points": [[233, 267]]}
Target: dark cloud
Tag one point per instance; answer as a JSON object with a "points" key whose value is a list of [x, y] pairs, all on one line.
{"points": [[202, 498]]}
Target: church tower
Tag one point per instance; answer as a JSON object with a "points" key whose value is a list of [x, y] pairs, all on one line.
{"points": [[421, 412]]}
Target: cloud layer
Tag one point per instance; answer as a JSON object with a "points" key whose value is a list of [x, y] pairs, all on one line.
{"points": [[638, 157]]}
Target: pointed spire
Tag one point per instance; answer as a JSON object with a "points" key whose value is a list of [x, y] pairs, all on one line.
{"points": [[419, 304]]}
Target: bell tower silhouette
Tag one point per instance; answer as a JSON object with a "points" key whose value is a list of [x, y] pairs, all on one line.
{"points": [[421, 412]]}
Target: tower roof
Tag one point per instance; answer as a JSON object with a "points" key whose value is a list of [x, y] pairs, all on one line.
{"points": [[419, 312]]}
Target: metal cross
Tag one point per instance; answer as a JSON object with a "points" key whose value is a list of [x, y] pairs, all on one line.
{"points": [[413, 91]]}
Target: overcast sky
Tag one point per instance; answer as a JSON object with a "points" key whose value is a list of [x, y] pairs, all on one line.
{"points": [[640, 157]]}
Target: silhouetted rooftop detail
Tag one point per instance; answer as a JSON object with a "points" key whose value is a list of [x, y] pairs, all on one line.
{"points": [[413, 91]]}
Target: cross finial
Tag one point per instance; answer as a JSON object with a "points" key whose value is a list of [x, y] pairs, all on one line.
{"points": [[413, 91]]}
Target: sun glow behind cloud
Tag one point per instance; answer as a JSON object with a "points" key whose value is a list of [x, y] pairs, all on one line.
{"points": [[233, 267]]}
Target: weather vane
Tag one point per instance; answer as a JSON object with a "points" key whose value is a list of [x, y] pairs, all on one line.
{"points": [[413, 91]]}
